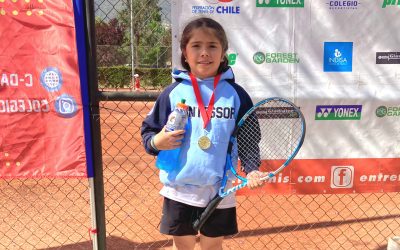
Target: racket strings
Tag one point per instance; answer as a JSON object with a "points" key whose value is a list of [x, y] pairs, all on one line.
{"points": [[271, 132]]}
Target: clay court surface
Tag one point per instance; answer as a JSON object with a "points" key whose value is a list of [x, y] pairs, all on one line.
{"points": [[55, 213]]}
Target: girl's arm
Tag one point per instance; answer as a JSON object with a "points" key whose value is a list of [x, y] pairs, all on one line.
{"points": [[155, 121]]}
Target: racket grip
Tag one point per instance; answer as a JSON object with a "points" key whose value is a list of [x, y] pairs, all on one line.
{"points": [[199, 222]]}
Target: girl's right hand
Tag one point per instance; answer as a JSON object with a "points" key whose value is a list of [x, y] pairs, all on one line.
{"points": [[254, 178], [168, 140]]}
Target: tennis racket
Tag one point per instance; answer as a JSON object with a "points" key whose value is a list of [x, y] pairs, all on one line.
{"points": [[271, 132]]}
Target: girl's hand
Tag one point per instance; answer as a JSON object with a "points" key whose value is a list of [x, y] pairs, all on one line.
{"points": [[254, 178], [168, 140]]}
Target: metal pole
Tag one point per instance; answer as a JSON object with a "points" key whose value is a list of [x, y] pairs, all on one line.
{"points": [[96, 183]]}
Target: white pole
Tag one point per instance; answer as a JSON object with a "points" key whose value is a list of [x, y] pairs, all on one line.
{"points": [[132, 49], [93, 229]]}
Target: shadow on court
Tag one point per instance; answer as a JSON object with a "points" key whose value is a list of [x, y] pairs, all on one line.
{"points": [[307, 226], [116, 243], [120, 243]]}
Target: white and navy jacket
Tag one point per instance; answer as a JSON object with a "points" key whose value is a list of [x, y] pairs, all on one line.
{"points": [[198, 167]]}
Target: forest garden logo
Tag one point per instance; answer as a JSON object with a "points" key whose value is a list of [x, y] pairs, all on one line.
{"points": [[275, 57], [383, 111]]}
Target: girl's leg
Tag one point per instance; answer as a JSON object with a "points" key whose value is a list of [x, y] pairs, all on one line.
{"points": [[184, 242], [211, 243]]}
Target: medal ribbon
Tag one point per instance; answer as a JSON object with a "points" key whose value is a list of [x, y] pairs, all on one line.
{"points": [[205, 114]]}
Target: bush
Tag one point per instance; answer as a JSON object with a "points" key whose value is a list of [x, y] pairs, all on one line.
{"points": [[120, 77]]}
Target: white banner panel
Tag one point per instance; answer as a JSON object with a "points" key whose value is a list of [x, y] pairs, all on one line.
{"points": [[338, 60]]}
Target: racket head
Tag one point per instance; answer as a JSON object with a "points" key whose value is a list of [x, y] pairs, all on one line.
{"points": [[273, 130], [267, 138]]}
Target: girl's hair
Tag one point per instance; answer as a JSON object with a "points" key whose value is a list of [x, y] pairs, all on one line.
{"points": [[219, 32]]}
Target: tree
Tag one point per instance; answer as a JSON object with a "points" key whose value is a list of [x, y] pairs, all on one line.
{"points": [[151, 38], [109, 33], [109, 38]]}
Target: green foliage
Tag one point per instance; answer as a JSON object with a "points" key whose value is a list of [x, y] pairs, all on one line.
{"points": [[148, 37], [151, 38], [109, 33], [120, 77], [114, 77], [109, 39]]}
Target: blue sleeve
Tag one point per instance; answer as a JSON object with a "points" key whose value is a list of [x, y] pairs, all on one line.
{"points": [[156, 119], [249, 151], [245, 101]]}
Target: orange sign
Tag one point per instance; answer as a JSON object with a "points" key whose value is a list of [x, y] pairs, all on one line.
{"points": [[333, 176]]}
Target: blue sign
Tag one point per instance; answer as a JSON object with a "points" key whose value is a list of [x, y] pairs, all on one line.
{"points": [[338, 56]]}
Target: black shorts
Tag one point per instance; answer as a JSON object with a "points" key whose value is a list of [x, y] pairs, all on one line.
{"points": [[177, 219]]}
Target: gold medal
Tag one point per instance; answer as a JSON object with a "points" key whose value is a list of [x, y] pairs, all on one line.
{"points": [[204, 142]]}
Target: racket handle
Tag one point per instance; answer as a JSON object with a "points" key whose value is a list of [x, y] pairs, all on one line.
{"points": [[199, 222]]}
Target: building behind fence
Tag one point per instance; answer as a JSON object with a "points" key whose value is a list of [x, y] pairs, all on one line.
{"points": [[55, 213]]}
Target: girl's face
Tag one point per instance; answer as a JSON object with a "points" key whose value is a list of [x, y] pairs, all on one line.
{"points": [[203, 53]]}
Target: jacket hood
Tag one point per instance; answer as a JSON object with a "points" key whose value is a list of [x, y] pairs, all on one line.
{"points": [[180, 75]]}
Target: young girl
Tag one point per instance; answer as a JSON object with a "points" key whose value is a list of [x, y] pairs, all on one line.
{"points": [[216, 103]]}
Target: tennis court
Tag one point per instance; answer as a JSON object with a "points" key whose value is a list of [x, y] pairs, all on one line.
{"points": [[329, 221], [55, 213]]}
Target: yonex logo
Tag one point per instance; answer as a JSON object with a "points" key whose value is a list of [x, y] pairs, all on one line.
{"points": [[338, 112], [280, 3]]}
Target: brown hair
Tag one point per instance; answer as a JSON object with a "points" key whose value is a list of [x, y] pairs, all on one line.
{"points": [[219, 32]]}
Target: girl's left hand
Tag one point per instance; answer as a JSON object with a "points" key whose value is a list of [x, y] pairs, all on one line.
{"points": [[254, 179]]}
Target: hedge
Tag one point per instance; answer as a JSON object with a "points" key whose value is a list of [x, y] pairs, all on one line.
{"points": [[120, 77]]}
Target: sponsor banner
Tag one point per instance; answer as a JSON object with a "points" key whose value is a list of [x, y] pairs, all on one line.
{"points": [[232, 58], [280, 3], [390, 3], [338, 56], [387, 111], [278, 57], [332, 176], [343, 4], [41, 117], [276, 113], [216, 7], [344, 78], [387, 57], [338, 112]]}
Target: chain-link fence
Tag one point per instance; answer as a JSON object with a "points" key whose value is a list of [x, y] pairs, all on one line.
{"points": [[330, 221], [55, 213], [44, 213]]}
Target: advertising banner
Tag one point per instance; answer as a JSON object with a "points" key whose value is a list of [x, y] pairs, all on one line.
{"points": [[41, 113], [339, 62]]}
